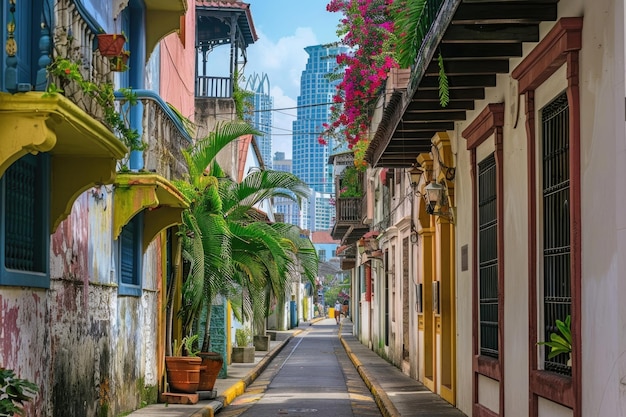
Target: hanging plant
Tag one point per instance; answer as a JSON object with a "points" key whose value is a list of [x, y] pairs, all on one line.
{"points": [[119, 62], [111, 44]]}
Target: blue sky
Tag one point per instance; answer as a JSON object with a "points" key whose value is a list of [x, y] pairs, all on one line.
{"points": [[285, 28]]}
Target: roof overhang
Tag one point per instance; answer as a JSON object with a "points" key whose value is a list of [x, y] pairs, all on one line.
{"points": [[476, 40], [161, 200], [35, 122], [162, 18]]}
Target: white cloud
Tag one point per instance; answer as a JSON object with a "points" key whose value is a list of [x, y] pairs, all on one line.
{"points": [[282, 121], [283, 62]]}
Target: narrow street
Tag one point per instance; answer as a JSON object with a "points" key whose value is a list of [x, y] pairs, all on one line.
{"points": [[312, 376]]}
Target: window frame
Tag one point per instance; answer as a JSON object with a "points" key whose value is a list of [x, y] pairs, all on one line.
{"points": [[134, 288], [23, 278], [488, 124]]}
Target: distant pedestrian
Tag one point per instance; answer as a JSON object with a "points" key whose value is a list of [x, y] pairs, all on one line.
{"points": [[337, 311]]}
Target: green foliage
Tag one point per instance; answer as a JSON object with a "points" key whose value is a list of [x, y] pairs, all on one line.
{"points": [[243, 337], [229, 250], [68, 73], [350, 183], [407, 15], [444, 95], [14, 392], [241, 97], [560, 342], [188, 343]]}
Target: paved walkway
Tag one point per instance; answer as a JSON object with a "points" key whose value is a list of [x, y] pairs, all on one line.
{"points": [[395, 393]]}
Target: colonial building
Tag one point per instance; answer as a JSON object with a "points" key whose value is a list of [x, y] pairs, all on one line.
{"points": [[499, 214]]}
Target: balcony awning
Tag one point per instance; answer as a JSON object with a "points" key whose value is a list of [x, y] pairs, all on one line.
{"points": [[163, 203], [162, 18], [476, 41], [84, 152]]}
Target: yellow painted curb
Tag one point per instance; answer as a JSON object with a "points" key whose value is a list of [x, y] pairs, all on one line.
{"points": [[387, 408]]}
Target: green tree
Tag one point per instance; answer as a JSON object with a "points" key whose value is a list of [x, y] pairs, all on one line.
{"points": [[228, 250]]}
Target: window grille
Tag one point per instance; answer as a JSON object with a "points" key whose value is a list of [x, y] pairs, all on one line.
{"points": [[488, 257], [556, 224], [25, 222]]}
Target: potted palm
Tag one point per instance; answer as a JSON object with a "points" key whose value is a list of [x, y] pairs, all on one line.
{"points": [[183, 368], [244, 351]]}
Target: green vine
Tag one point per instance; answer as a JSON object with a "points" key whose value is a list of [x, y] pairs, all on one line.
{"points": [[68, 71]]}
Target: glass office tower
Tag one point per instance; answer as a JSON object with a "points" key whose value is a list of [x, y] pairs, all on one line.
{"points": [[261, 115], [310, 159]]}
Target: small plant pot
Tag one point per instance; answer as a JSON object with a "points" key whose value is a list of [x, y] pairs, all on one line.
{"points": [[111, 44], [119, 63]]}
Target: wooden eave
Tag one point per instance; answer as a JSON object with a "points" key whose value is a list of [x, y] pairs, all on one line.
{"points": [[162, 202], [83, 152], [476, 38]]}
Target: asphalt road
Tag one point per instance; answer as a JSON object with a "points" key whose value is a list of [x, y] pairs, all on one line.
{"points": [[312, 376]]}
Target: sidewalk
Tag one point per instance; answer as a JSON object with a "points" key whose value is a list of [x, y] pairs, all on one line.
{"points": [[395, 393], [240, 375]]}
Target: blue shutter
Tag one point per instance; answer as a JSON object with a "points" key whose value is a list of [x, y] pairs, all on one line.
{"points": [[24, 224], [130, 257]]}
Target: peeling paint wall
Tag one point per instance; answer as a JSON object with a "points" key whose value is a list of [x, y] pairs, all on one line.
{"points": [[90, 351]]}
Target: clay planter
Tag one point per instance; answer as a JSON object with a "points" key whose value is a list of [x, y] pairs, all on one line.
{"points": [[211, 366], [243, 354], [183, 373], [111, 44]]}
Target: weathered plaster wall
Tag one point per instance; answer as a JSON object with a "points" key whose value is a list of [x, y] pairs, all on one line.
{"points": [[90, 351]]}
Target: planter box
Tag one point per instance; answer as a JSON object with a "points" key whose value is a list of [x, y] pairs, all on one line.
{"points": [[261, 343], [243, 354]]}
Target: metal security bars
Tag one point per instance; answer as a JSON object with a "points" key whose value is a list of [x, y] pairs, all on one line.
{"points": [[488, 257], [556, 223]]}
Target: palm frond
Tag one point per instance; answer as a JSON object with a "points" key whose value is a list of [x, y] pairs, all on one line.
{"points": [[407, 15], [444, 95]]}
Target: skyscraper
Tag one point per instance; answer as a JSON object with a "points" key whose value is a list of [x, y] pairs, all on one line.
{"points": [[261, 116], [287, 208], [310, 159]]}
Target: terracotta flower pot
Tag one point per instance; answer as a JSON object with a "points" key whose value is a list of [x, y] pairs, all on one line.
{"points": [[111, 44], [211, 365], [183, 373]]}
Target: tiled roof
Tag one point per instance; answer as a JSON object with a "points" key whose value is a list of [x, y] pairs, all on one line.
{"points": [[322, 237]]}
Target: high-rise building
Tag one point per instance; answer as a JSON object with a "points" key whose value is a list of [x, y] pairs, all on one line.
{"points": [[310, 158], [261, 116], [285, 207]]}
